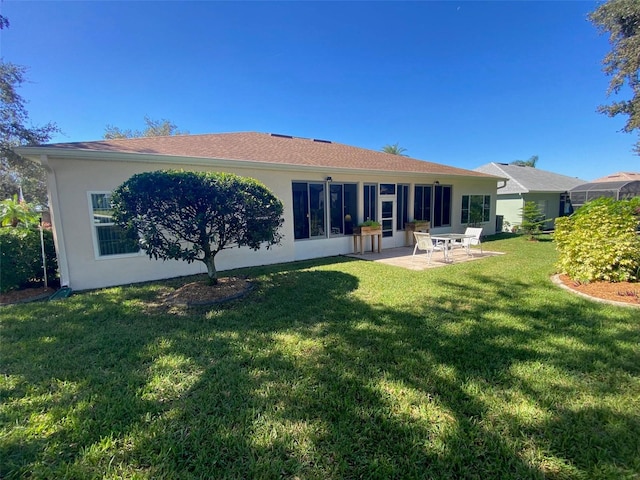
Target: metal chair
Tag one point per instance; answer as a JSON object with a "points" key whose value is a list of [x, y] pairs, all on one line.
{"points": [[425, 243], [475, 240]]}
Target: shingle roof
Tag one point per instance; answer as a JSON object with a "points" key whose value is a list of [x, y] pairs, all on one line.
{"points": [[529, 179], [618, 177], [263, 147]]}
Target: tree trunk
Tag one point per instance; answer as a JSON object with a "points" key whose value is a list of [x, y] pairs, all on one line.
{"points": [[210, 262]]}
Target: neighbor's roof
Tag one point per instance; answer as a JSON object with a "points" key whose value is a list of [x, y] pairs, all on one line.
{"points": [[529, 179], [618, 177], [249, 147]]}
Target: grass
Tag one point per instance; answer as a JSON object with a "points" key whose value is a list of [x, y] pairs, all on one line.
{"points": [[329, 369]]}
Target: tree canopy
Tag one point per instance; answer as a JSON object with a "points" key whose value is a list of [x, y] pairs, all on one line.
{"points": [[533, 160], [621, 20], [16, 171], [193, 216], [154, 128], [394, 149]]}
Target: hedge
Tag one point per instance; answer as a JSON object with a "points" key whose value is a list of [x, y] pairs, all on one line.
{"points": [[600, 241], [21, 257]]}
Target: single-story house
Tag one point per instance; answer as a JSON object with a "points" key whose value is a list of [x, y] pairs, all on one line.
{"points": [[619, 186], [326, 188], [528, 184]]}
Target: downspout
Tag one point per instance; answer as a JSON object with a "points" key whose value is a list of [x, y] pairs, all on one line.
{"points": [[56, 222], [503, 185]]}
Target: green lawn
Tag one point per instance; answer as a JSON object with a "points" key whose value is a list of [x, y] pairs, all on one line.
{"points": [[329, 369]]}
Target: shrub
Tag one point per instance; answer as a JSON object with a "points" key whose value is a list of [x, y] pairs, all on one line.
{"points": [[599, 241], [532, 219], [21, 257]]}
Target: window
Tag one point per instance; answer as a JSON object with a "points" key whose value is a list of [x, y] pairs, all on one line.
{"points": [[370, 202], [308, 210], [422, 202], [441, 206], [387, 189], [433, 203], [402, 206], [475, 209], [109, 238], [343, 207]]}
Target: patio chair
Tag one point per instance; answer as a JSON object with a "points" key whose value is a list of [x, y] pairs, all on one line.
{"points": [[425, 243], [475, 240]]}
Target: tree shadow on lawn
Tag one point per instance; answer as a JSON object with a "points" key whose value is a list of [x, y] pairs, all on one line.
{"points": [[305, 379]]}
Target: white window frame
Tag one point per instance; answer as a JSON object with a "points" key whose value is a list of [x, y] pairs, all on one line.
{"points": [[94, 231]]}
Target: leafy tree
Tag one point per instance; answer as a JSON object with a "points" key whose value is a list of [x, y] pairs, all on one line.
{"points": [[532, 219], [621, 20], [16, 171], [14, 213], [533, 160], [155, 128], [192, 216], [394, 149]]}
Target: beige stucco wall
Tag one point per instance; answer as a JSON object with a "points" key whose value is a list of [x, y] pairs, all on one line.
{"points": [[73, 179]]}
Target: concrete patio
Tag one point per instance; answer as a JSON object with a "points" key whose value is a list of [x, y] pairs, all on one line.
{"points": [[403, 257]]}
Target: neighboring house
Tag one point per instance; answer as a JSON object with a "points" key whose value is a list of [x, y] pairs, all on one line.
{"points": [[327, 188], [619, 186], [528, 184]]}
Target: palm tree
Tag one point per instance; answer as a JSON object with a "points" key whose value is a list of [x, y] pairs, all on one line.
{"points": [[527, 163], [14, 213], [394, 149]]}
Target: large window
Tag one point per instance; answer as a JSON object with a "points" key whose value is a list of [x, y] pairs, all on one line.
{"points": [[433, 203], [343, 207], [475, 209], [422, 202], [311, 214], [441, 206], [402, 206], [370, 202], [110, 239], [308, 210]]}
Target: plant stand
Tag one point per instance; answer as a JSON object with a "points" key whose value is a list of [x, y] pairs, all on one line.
{"points": [[359, 234], [410, 227]]}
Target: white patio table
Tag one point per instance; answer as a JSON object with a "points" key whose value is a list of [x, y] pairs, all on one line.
{"points": [[447, 239]]}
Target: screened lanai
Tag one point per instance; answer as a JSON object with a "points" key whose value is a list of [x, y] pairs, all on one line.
{"points": [[618, 190]]}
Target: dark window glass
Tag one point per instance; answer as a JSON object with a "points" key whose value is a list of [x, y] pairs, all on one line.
{"points": [[441, 206], [387, 189], [370, 202], [402, 206], [422, 202], [300, 210], [111, 239]]}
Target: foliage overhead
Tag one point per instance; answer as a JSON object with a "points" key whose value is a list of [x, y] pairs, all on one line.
{"points": [[154, 128], [621, 20], [533, 160], [600, 241], [16, 171], [395, 149], [192, 216]]}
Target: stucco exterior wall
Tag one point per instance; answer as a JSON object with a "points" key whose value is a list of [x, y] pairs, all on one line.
{"points": [[510, 207], [549, 204], [72, 181]]}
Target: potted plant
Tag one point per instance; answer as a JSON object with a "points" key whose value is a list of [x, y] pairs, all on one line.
{"points": [[369, 227], [418, 226]]}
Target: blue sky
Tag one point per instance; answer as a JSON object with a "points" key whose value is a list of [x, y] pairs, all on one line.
{"points": [[454, 82]]}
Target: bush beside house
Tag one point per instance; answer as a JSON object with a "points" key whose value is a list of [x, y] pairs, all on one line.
{"points": [[21, 257], [600, 241]]}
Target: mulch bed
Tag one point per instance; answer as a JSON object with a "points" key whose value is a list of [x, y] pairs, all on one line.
{"points": [[26, 295]]}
